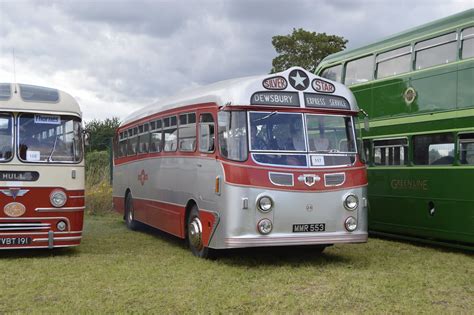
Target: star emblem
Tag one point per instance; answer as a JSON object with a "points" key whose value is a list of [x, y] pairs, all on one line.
{"points": [[299, 80], [142, 177]]}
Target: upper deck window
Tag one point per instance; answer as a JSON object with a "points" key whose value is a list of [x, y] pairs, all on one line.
{"points": [[394, 62], [6, 137], [467, 37], [436, 51], [5, 91], [333, 73], [31, 93], [359, 71]]}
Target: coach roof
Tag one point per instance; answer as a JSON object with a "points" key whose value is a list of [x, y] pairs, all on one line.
{"points": [[37, 99], [284, 89]]}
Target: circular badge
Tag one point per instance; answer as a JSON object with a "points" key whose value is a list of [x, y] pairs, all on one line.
{"points": [[14, 209], [409, 95], [298, 80]]}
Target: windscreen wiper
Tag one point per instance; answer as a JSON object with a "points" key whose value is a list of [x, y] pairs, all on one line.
{"points": [[54, 148]]}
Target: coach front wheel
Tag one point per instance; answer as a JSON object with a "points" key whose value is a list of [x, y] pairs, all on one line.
{"points": [[194, 234], [129, 213]]}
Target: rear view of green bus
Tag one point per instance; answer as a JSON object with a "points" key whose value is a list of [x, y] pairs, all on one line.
{"points": [[418, 90]]}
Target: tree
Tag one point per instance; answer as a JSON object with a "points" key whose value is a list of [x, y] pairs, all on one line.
{"points": [[100, 132], [304, 49]]}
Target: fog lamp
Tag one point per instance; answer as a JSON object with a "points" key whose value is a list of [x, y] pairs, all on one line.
{"points": [[350, 224], [265, 204], [58, 198], [61, 225], [265, 226], [351, 202]]}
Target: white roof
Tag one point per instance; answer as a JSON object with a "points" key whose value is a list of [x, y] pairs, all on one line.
{"points": [[36, 99], [240, 91]]}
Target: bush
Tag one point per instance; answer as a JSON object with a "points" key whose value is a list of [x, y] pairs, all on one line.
{"points": [[98, 188]]}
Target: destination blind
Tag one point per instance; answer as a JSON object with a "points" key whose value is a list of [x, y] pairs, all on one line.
{"points": [[275, 98], [325, 101]]}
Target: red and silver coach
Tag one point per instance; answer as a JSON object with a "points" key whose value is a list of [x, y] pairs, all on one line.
{"points": [[41, 168], [268, 160]]}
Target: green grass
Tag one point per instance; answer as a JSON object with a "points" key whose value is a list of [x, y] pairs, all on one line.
{"points": [[116, 270]]}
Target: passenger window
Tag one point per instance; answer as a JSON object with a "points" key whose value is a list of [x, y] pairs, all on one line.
{"points": [[466, 146], [333, 73], [132, 141], [467, 37], [122, 144], [170, 134], [359, 71], [390, 152], [143, 139], [394, 62], [436, 51], [232, 133], [187, 132], [437, 149], [206, 133], [155, 136]]}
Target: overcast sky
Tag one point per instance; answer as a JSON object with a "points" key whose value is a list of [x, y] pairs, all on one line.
{"points": [[115, 56]]}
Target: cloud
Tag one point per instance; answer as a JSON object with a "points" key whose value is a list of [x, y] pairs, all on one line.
{"points": [[116, 56]]}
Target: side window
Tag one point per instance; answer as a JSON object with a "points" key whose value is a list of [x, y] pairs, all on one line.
{"points": [[132, 141], [143, 138], [123, 144], [206, 133], [232, 135], [390, 152], [155, 136], [436, 51], [467, 37], [436, 149], [466, 148], [187, 132], [170, 134], [394, 62], [359, 71], [333, 73]]}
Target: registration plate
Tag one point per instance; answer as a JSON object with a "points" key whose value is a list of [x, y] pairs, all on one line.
{"points": [[8, 241], [310, 227]]}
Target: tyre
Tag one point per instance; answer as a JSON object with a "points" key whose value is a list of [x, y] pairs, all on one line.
{"points": [[194, 235], [129, 213]]}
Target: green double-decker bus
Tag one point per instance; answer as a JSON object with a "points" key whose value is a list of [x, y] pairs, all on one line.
{"points": [[418, 90]]}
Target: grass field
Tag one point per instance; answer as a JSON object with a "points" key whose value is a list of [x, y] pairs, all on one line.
{"points": [[116, 270]]}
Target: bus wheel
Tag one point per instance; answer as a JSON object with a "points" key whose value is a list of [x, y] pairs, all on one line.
{"points": [[129, 214], [195, 235]]}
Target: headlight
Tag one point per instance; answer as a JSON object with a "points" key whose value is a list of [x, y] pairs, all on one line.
{"points": [[265, 204], [61, 225], [350, 224], [265, 226], [351, 202], [58, 198]]}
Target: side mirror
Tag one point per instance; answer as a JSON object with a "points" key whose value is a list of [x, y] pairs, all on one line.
{"points": [[366, 120], [86, 136]]}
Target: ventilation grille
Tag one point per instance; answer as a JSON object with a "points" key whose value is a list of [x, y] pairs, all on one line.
{"points": [[24, 226], [281, 179], [336, 179]]}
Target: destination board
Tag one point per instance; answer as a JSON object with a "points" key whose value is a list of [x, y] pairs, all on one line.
{"points": [[275, 98], [325, 101]]}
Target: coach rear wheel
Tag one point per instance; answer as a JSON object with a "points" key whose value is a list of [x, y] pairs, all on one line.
{"points": [[129, 213], [195, 235]]}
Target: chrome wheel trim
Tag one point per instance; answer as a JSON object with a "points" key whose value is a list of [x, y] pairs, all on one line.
{"points": [[195, 233]]}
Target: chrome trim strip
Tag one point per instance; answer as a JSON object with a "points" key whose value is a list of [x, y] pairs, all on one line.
{"points": [[65, 209], [57, 239], [40, 233], [39, 218], [234, 242], [74, 197], [38, 247]]}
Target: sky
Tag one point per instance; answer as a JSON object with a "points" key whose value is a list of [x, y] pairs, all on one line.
{"points": [[115, 56]]}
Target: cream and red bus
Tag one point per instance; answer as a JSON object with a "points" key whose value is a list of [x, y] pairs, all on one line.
{"points": [[41, 168], [270, 160]]}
